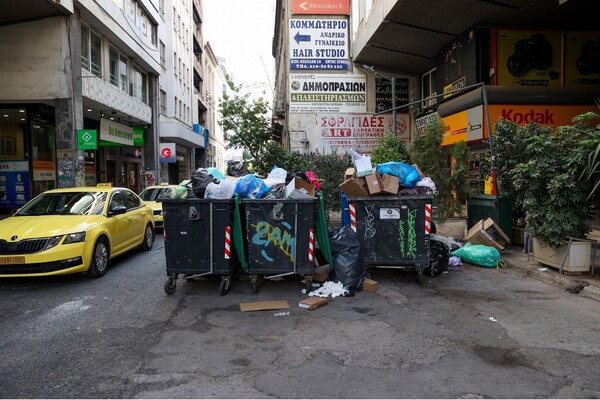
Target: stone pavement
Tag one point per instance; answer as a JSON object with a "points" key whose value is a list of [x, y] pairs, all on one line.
{"points": [[582, 285]]}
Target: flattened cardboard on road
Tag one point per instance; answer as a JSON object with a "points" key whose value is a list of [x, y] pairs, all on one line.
{"points": [[310, 303], [265, 305]]}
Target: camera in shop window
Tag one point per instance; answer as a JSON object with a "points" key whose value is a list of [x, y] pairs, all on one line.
{"points": [[589, 61], [532, 53]]}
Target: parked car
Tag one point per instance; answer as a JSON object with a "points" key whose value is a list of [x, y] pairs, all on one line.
{"points": [[74, 230], [154, 195]]}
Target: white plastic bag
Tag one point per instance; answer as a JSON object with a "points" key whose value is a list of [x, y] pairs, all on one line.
{"points": [[277, 176], [427, 182], [222, 190]]}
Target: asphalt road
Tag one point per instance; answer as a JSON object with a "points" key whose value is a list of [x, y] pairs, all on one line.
{"points": [[470, 333]]}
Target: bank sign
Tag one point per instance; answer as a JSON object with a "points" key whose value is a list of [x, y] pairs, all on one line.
{"points": [[319, 44], [328, 93]]}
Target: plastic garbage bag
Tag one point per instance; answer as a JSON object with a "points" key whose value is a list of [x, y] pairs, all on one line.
{"points": [[427, 182], [348, 260], [251, 187], [215, 172], [438, 258], [478, 254], [222, 190], [179, 192], [313, 179], [200, 180], [407, 174], [275, 177], [454, 261], [236, 168]]}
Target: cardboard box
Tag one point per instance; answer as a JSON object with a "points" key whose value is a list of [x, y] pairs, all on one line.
{"points": [[363, 166], [299, 189], [265, 305], [488, 233], [354, 187], [321, 273], [349, 174], [373, 183], [370, 285], [390, 184], [310, 303]]}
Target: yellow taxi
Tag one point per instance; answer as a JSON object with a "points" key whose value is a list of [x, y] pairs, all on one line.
{"points": [[74, 230], [154, 195]]}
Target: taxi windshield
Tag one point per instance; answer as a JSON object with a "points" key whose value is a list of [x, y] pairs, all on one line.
{"points": [[66, 203]]}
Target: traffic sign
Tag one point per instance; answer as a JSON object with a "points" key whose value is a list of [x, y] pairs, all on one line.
{"points": [[321, 7]]}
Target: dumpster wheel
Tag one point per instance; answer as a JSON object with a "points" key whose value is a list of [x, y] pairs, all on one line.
{"points": [[171, 284], [308, 279], [420, 277], [224, 286]]}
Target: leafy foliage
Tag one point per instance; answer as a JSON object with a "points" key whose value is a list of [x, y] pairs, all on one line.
{"points": [[434, 161], [247, 120], [544, 173], [390, 148]]}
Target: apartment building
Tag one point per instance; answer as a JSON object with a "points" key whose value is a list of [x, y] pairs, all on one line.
{"points": [[79, 81], [180, 84]]}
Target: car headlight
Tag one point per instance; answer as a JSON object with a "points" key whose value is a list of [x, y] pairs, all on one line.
{"points": [[75, 238], [53, 241]]}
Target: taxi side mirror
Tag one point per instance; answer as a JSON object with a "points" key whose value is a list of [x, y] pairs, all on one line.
{"points": [[116, 210]]}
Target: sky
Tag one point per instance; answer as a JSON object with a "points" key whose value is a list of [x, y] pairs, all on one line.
{"points": [[241, 32]]}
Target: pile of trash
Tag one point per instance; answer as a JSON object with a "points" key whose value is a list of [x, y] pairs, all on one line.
{"points": [[210, 183]]}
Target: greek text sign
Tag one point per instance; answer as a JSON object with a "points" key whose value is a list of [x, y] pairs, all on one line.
{"points": [[330, 7], [360, 132], [319, 44], [114, 132], [327, 93]]}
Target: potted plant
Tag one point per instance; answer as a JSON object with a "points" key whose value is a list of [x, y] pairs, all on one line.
{"points": [[542, 168]]}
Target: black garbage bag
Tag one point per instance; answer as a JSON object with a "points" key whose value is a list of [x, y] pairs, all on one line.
{"points": [[236, 168], [294, 174], [438, 258], [348, 260], [200, 180]]}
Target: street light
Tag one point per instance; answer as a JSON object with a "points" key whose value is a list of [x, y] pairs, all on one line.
{"points": [[393, 82]]}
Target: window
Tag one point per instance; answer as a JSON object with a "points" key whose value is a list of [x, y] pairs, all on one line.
{"points": [[175, 64], [428, 88], [118, 68], [161, 7], [163, 54], [139, 84], [91, 50], [163, 102]]}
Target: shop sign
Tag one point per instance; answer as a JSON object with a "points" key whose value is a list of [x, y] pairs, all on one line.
{"points": [[383, 93], [167, 153], [319, 44], [138, 136], [422, 122], [456, 63], [465, 125], [529, 58], [114, 132], [360, 132], [14, 183], [87, 139], [333, 93], [582, 58], [43, 170], [314, 7]]}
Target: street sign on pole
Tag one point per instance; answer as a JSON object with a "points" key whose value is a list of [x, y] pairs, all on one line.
{"points": [[321, 7]]}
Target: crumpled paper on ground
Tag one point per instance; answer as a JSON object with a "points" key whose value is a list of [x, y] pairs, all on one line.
{"points": [[333, 289]]}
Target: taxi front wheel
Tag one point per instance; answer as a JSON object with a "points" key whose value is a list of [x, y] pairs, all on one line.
{"points": [[99, 262], [148, 238]]}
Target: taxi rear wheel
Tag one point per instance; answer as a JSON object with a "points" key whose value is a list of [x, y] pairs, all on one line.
{"points": [[148, 238], [99, 263]]}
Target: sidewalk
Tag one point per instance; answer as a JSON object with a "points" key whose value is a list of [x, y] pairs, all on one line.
{"points": [[582, 285]]}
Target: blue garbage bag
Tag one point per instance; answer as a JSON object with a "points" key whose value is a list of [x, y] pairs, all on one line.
{"points": [[407, 174], [251, 187]]}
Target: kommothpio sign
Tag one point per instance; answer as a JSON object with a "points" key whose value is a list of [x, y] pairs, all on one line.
{"points": [[319, 44], [327, 93], [114, 132]]}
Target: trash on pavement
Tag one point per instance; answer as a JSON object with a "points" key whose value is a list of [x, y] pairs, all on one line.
{"points": [[265, 305]]}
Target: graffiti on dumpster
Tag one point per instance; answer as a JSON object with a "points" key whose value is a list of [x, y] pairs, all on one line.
{"points": [[274, 237], [407, 235], [369, 222]]}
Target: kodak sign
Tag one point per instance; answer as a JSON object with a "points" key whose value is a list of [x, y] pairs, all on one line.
{"points": [[460, 127]]}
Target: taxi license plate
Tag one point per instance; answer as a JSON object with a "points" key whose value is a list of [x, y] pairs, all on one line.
{"points": [[12, 260]]}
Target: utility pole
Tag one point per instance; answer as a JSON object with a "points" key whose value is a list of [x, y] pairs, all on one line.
{"points": [[393, 82]]}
